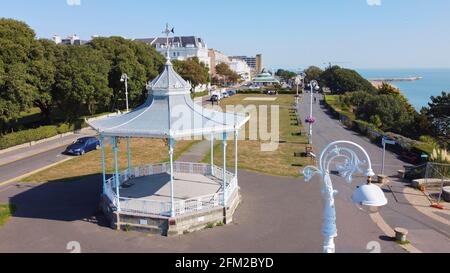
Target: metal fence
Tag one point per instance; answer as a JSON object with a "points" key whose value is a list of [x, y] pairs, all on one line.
{"points": [[437, 176], [163, 208]]}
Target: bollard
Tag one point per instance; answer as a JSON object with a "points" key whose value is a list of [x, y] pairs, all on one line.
{"points": [[400, 235]]}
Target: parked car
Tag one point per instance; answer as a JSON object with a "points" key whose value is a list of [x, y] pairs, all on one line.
{"points": [[225, 94], [271, 92], [231, 93], [214, 99], [83, 145]]}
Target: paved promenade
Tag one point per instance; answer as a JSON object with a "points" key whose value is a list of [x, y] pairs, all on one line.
{"points": [[277, 214], [426, 233]]}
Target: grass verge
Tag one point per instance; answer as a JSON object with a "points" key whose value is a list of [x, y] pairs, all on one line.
{"points": [[280, 162], [6, 211], [143, 151]]}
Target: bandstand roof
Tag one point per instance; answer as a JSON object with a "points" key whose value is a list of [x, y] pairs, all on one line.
{"points": [[169, 112]]}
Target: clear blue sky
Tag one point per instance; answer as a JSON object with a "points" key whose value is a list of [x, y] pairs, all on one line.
{"points": [[289, 33]]}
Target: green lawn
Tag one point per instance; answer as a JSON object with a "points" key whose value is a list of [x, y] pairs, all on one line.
{"points": [[6, 211], [280, 162], [334, 102]]}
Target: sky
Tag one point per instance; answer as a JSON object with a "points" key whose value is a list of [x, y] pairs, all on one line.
{"points": [[290, 34]]}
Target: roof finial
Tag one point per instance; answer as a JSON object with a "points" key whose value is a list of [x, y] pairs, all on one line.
{"points": [[167, 31]]}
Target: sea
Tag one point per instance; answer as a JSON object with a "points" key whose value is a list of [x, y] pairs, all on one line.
{"points": [[419, 92]]}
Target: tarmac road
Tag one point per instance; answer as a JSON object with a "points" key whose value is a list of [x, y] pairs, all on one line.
{"points": [[30, 164]]}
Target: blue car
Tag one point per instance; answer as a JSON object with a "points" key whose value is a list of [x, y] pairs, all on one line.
{"points": [[83, 145], [231, 93]]}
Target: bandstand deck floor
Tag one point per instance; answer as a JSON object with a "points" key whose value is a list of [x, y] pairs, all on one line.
{"points": [[157, 187]]}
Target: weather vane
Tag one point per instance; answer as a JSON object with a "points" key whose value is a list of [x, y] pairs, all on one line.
{"points": [[167, 31]]}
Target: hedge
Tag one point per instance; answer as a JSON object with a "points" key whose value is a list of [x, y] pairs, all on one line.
{"points": [[281, 91], [200, 94], [374, 133], [25, 136]]}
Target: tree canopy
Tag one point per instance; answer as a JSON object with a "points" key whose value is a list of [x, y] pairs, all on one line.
{"points": [[227, 75], [192, 70], [285, 75], [139, 61], [438, 114], [342, 80], [82, 88], [18, 49], [74, 80], [313, 73]]}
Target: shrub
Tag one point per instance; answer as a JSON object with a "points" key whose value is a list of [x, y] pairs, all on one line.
{"points": [[200, 94], [25, 136]]}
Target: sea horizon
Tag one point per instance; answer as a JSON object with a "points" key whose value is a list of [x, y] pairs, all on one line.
{"points": [[419, 92]]}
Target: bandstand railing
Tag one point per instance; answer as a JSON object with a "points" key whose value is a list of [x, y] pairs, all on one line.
{"points": [[163, 208]]}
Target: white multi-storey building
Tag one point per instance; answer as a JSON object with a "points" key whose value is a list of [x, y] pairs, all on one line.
{"points": [[181, 48], [241, 67], [70, 40]]}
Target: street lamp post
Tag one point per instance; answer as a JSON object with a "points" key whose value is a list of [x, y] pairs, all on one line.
{"points": [[367, 196], [314, 86], [385, 141], [124, 79]]}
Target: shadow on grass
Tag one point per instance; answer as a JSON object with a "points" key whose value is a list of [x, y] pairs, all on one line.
{"points": [[66, 200]]}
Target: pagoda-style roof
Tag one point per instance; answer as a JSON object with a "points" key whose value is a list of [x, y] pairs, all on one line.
{"points": [[169, 112], [265, 77]]}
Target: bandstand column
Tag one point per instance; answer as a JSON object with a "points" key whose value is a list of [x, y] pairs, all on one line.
{"points": [[129, 157], [236, 135], [212, 154], [224, 144], [102, 144], [116, 174], [172, 202]]}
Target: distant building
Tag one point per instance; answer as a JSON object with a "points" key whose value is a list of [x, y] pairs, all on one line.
{"points": [[216, 57], [181, 48], [241, 68], [70, 40], [251, 61], [259, 63]]}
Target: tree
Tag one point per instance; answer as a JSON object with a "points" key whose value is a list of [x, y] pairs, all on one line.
{"points": [[313, 73], [392, 113], [387, 89], [438, 113], [226, 73], [16, 92], [81, 82], [341, 80], [43, 70], [223, 69], [139, 61], [192, 70], [285, 75]]}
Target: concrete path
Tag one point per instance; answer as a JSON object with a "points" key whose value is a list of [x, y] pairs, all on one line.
{"points": [[197, 152], [425, 233], [276, 215]]}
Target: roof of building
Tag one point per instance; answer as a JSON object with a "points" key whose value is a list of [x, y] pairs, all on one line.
{"points": [[183, 41], [169, 112], [265, 77]]}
